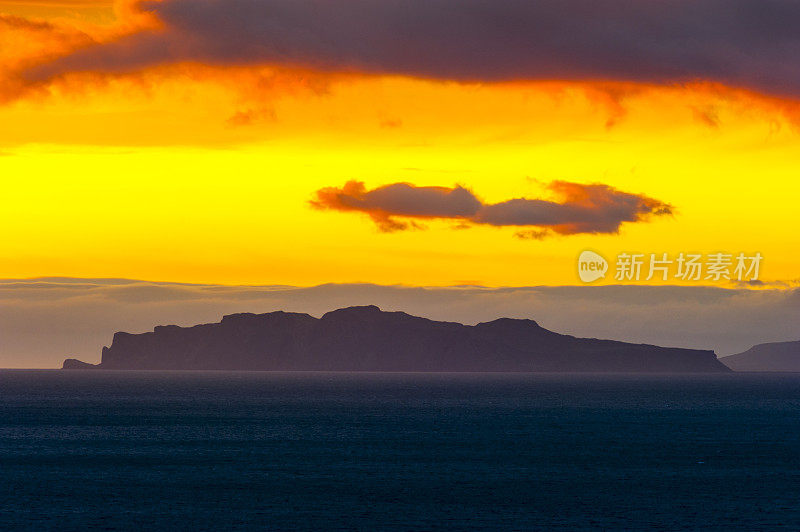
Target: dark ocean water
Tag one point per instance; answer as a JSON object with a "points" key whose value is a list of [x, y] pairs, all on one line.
{"points": [[211, 451]]}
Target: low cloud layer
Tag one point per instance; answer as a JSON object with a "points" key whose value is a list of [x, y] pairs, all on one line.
{"points": [[751, 44], [46, 320], [594, 208]]}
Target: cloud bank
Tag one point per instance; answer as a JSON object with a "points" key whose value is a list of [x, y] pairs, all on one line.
{"points": [[43, 321], [594, 208], [750, 44]]}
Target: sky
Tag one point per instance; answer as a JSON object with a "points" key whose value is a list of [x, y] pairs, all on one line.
{"points": [[413, 143]]}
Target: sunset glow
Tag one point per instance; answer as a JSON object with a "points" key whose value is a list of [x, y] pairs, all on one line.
{"points": [[193, 172]]}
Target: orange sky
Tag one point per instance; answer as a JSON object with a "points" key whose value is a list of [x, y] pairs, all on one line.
{"points": [[203, 173]]}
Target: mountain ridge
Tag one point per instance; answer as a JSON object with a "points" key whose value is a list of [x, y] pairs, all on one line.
{"points": [[366, 338]]}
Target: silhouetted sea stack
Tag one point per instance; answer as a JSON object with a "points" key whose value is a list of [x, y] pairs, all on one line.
{"points": [[368, 339]]}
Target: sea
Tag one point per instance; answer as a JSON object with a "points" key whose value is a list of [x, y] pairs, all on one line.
{"points": [[148, 451]]}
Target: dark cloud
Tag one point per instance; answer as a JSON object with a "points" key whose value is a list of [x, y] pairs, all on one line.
{"points": [[584, 209], [592, 208], [746, 43], [399, 199]]}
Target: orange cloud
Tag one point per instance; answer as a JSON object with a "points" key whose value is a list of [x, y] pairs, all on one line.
{"points": [[25, 42], [28, 42], [594, 208]]}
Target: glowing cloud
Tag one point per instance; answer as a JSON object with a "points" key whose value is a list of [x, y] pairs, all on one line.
{"points": [[594, 208]]}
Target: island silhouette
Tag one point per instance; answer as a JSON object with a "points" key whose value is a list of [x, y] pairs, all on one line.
{"points": [[365, 338], [773, 356]]}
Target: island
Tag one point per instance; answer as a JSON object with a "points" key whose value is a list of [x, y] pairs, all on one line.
{"points": [[365, 338], [774, 356]]}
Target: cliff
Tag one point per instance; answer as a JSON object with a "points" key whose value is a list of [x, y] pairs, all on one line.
{"points": [[777, 356], [368, 339]]}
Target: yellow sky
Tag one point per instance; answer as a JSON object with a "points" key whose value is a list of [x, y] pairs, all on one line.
{"points": [[198, 174]]}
